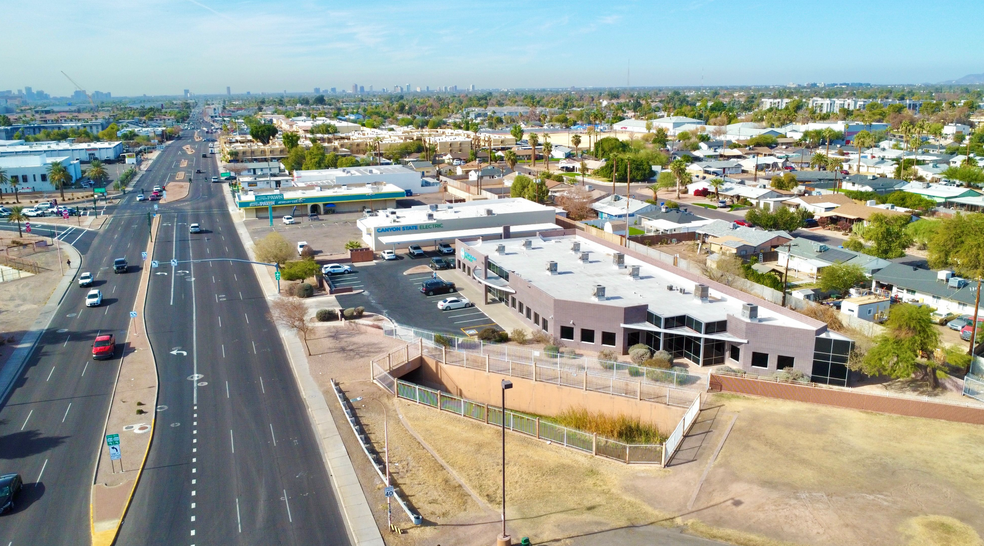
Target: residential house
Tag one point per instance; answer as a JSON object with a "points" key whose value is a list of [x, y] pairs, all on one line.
{"points": [[938, 289], [872, 183], [715, 168], [763, 163], [560, 152], [855, 212], [615, 207], [938, 192], [730, 238], [485, 173], [762, 197], [874, 166], [932, 171], [811, 258], [818, 204], [425, 168], [952, 129], [666, 221], [672, 124], [871, 307]]}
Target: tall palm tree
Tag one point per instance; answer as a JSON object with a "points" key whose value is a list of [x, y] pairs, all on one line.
{"points": [[679, 169], [828, 135], [5, 179], [716, 183], [511, 159], [819, 161], [862, 140], [17, 215], [96, 171], [58, 175], [533, 140], [576, 141], [584, 170], [547, 148]]}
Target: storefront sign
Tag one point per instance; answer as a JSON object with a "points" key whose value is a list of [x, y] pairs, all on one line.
{"points": [[419, 227], [467, 256]]}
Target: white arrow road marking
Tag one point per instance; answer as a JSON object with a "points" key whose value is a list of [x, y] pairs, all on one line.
{"points": [[177, 351]]}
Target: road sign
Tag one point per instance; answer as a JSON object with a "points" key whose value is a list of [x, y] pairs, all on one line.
{"points": [[27, 227], [143, 255], [114, 453], [154, 263], [277, 275], [65, 214], [389, 491], [174, 263], [98, 190], [112, 440], [133, 314], [155, 206]]}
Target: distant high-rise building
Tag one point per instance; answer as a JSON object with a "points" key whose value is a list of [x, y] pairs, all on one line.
{"points": [[228, 90], [187, 93], [355, 88], [370, 89], [428, 89], [333, 90], [317, 90], [472, 87], [362, 89], [407, 88], [28, 92]]}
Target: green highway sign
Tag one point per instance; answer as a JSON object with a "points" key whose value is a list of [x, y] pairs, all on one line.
{"points": [[112, 439], [98, 190], [277, 275]]}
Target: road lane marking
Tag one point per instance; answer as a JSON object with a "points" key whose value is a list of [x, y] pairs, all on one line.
{"points": [[235, 277], [32, 411], [232, 441], [174, 256], [239, 520], [240, 296], [49, 374], [290, 519], [223, 352], [194, 327], [66, 340], [254, 347], [85, 368], [261, 386], [227, 383], [66, 412], [42, 472], [106, 311], [247, 318], [220, 321], [114, 289], [213, 276], [272, 436]]}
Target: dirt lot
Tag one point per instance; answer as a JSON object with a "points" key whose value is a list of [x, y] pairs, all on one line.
{"points": [[21, 300], [787, 473]]}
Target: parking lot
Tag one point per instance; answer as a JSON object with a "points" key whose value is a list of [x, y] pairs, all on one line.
{"points": [[390, 292]]}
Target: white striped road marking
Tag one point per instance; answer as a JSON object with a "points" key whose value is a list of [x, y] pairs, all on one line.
{"points": [[29, 416], [471, 320], [45, 465], [232, 441], [272, 435], [49, 374], [85, 368], [239, 521], [247, 318], [220, 321], [66, 340], [254, 347], [227, 383], [290, 519], [66, 412], [261, 386]]}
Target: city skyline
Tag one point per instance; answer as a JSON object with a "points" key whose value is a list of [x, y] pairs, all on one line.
{"points": [[191, 45]]}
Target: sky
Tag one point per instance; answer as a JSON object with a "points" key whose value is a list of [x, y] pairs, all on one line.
{"points": [[158, 47]]}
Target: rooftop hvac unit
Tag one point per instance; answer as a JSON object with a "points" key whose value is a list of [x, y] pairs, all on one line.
{"points": [[634, 272], [750, 312], [552, 267], [820, 247], [344, 188], [488, 212], [576, 247], [527, 244], [701, 292], [500, 249], [682, 290], [598, 292], [432, 207], [669, 287], [585, 256], [957, 282], [871, 202], [618, 259], [430, 215], [944, 275]]}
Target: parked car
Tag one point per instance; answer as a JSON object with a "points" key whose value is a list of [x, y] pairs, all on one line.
{"points": [[10, 486], [120, 265], [195, 228], [436, 286], [336, 269], [445, 248], [943, 318], [288, 220], [414, 250], [157, 189], [155, 196], [33, 212], [454, 302], [104, 347], [44, 205], [215, 179], [85, 279], [4, 212], [438, 264], [300, 247], [388, 255], [958, 323], [94, 298], [810, 223]]}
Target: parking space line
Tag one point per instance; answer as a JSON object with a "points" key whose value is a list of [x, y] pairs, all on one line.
{"points": [[470, 320]]}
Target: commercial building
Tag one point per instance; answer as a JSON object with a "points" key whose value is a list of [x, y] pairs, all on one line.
{"points": [[396, 175], [433, 224], [592, 295], [317, 200], [32, 129], [30, 172], [83, 151]]}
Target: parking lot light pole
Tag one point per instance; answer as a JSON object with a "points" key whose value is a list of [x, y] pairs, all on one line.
{"points": [[504, 539]]}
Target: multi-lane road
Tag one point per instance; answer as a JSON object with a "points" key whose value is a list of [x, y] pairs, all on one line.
{"points": [[234, 459]]}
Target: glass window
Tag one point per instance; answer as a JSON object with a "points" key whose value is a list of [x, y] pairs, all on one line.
{"points": [[713, 352], [512, 300], [587, 336], [735, 353], [760, 360], [536, 318], [522, 308], [567, 332], [608, 338], [546, 325], [674, 322], [654, 319], [634, 337], [529, 311], [715, 327], [783, 362], [498, 270], [44, 178]]}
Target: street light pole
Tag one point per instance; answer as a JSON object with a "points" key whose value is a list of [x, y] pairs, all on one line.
{"points": [[504, 539]]}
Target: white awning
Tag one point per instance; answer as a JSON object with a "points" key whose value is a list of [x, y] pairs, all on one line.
{"points": [[427, 236], [723, 336]]}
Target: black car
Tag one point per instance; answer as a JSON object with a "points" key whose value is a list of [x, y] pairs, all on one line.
{"points": [[10, 485], [437, 286], [439, 264], [120, 265]]}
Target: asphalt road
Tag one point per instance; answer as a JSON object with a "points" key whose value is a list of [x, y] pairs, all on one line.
{"points": [[234, 459], [51, 425]]}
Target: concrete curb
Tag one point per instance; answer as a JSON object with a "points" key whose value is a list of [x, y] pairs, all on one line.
{"points": [[359, 520]]}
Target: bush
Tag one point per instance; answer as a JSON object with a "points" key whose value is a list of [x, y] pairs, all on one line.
{"points": [[607, 356], [551, 351], [621, 427], [568, 352], [353, 313], [299, 270], [790, 374], [274, 249], [326, 315], [540, 336], [518, 335], [639, 353], [303, 290], [307, 253], [661, 359], [635, 371], [493, 335], [661, 376], [354, 245], [443, 341]]}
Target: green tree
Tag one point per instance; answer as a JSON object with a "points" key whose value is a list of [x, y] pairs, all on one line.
{"points": [[547, 149], [324, 129], [14, 182], [314, 158], [517, 132], [907, 347], [664, 181], [96, 171], [5, 121], [17, 215], [5, 179], [782, 219], [641, 168], [274, 249], [841, 277], [609, 146], [660, 138], [786, 181], [295, 159], [519, 186], [887, 237], [576, 141], [679, 170], [768, 141], [863, 140], [299, 270], [533, 140], [716, 183], [819, 161], [109, 133], [968, 174], [511, 159], [957, 245], [291, 140], [536, 192], [263, 132], [58, 175]]}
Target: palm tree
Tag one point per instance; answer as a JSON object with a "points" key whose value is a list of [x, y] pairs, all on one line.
{"points": [[591, 132], [547, 148], [511, 159], [828, 135], [96, 171], [17, 215], [679, 169], [4, 179], [58, 175], [819, 161], [584, 170], [863, 139], [716, 183], [533, 140], [576, 141]]}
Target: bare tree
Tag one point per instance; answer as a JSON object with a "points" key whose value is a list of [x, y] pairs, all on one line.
{"points": [[291, 312], [577, 202]]}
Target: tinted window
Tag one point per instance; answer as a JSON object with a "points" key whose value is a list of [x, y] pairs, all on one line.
{"points": [[608, 338], [567, 332], [587, 336], [783, 362], [760, 360], [735, 353]]}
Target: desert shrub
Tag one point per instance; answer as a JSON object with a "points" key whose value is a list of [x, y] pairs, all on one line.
{"points": [[661, 376], [540, 336], [274, 248], [635, 371], [551, 351], [493, 335], [608, 357], [518, 335], [607, 364], [443, 341], [303, 290], [825, 313], [620, 427], [307, 253], [326, 315], [639, 353], [298, 270], [662, 359], [349, 313], [656, 363], [790, 374], [359, 311], [354, 245], [568, 352]]}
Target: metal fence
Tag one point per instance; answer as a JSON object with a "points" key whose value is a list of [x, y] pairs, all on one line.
{"points": [[534, 427], [683, 427], [973, 387]]}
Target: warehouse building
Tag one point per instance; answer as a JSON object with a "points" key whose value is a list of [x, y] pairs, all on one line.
{"points": [[318, 200], [593, 296], [83, 151], [30, 172], [397, 175]]}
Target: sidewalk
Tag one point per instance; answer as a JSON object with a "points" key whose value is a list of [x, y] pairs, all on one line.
{"points": [[359, 520]]}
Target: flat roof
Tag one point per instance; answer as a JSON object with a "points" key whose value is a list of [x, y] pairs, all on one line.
{"points": [[470, 209], [29, 160], [575, 280], [317, 195], [421, 237], [339, 175]]}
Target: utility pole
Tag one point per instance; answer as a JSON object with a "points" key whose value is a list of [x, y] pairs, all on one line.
{"points": [[973, 332], [628, 185], [785, 275]]}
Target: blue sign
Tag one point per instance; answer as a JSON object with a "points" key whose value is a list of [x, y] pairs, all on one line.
{"points": [[133, 314], [143, 255]]}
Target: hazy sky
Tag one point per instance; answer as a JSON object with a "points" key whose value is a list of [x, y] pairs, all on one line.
{"points": [[165, 46]]}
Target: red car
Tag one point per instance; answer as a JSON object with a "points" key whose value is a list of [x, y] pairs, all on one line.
{"points": [[104, 347], [155, 196], [743, 223]]}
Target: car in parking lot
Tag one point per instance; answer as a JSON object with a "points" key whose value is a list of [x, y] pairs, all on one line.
{"points": [[288, 220], [454, 302], [301, 245], [445, 248], [439, 264], [195, 228], [4, 212], [104, 347], [85, 279], [958, 323], [414, 251], [388, 255], [436, 286], [943, 318], [94, 298], [157, 189], [336, 269], [10, 486], [33, 212]]}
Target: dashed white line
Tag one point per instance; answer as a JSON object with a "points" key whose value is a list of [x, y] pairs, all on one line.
{"points": [[32, 411], [261, 386], [220, 318], [106, 311], [223, 352], [232, 441], [213, 276], [49, 374], [227, 383], [290, 519], [272, 436], [235, 277], [86, 367], [247, 318], [254, 347], [41, 473], [66, 340], [240, 296], [239, 520], [66, 412], [114, 289]]}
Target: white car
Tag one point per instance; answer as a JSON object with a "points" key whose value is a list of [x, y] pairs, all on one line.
{"points": [[195, 228], [158, 189], [388, 255], [94, 298], [288, 220], [454, 302], [32, 212], [85, 279], [141, 197], [445, 248], [414, 250], [336, 269], [300, 247]]}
